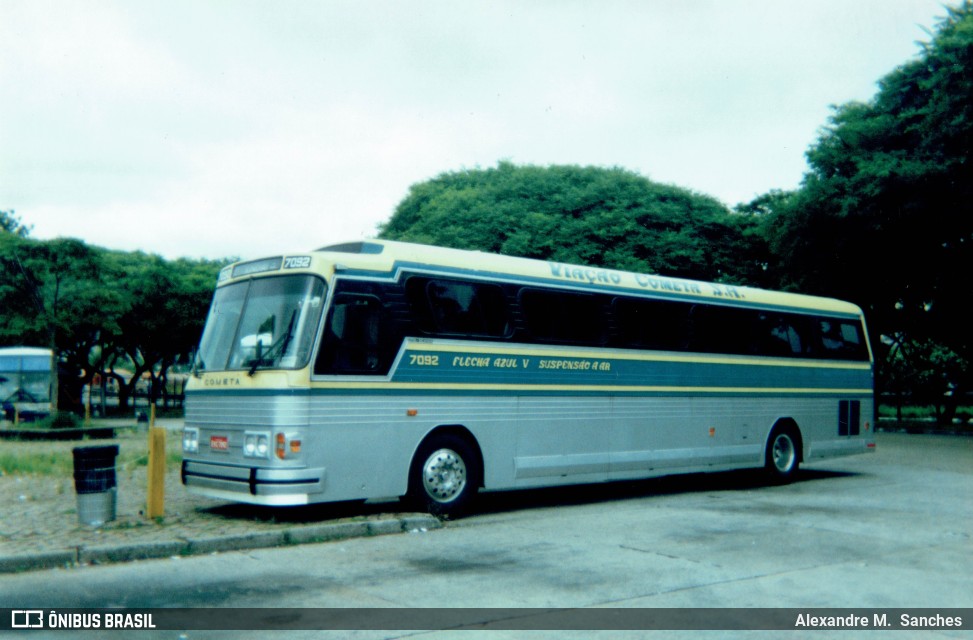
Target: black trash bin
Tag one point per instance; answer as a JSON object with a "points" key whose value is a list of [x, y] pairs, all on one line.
{"points": [[94, 482]]}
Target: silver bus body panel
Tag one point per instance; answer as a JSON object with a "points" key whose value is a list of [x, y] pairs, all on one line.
{"points": [[525, 441]]}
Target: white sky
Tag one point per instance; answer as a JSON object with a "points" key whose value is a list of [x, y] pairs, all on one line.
{"points": [[236, 128]]}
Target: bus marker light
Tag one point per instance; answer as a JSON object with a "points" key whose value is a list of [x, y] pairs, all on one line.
{"points": [[412, 413], [295, 446], [712, 431]]}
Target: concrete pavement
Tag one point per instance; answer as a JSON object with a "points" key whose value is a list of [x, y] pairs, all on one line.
{"points": [[40, 528]]}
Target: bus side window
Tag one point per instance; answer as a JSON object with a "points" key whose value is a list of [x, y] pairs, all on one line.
{"points": [[467, 309], [716, 329], [842, 340], [352, 342], [455, 308], [565, 317], [652, 324], [781, 334]]}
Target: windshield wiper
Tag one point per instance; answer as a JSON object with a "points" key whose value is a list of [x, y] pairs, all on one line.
{"points": [[275, 350]]}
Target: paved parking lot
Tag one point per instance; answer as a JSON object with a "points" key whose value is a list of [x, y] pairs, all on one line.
{"points": [[891, 529]]}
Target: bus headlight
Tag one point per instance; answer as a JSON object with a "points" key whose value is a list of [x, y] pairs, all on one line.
{"points": [[256, 445], [190, 440]]}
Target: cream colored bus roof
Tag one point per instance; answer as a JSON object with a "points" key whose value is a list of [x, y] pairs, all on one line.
{"points": [[386, 256]]}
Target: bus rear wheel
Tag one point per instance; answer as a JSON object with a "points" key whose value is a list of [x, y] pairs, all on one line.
{"points": [[783, 455], [445, 476]]}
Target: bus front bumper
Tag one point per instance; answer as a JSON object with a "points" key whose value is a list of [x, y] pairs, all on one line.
{"points": [[253, 485]]}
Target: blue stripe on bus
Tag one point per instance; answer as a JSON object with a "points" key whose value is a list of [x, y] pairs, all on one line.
{"points": [[618, 378], [449, 367], [452, 369], [386, 391]]}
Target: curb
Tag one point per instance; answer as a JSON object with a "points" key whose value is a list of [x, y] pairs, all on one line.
{"points": [[194, 546]]}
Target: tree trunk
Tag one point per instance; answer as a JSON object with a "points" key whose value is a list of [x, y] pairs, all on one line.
{"points": [[55, 378], [950, 406]]}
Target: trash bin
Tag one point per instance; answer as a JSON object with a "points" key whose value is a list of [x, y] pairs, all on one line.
{"points": [[94, 482]]}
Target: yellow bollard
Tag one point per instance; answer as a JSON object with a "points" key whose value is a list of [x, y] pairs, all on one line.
{"points": [[156, 497]]}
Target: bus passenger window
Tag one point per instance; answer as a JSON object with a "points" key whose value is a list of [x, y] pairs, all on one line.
{"points": [[715, 329], [783, 335], [842, 340], [352, 336], [652, 324], [454, 308], [788, 340], [560, 316]]}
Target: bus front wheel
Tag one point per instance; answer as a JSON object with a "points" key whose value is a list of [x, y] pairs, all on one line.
{"points": [[444, 477], [783, 455]]}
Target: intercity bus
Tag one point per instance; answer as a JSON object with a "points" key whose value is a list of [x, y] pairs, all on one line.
{"points": [[25, 382], [378, 369]]}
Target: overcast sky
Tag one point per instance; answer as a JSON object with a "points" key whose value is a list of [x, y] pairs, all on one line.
{"points": [[215, 129]]}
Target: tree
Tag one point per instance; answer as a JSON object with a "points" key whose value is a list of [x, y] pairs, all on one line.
{"points": [[165, 306], [590, 215], [12, 224], [93, 315], [95, 308], [882, 217], [44, 290]]}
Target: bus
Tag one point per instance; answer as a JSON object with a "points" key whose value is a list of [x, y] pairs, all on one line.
{"points": [[378, 369], [25, 383]]}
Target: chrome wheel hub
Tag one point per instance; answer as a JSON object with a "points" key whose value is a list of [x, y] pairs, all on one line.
{"points": [[784, 453], [444, 475]]}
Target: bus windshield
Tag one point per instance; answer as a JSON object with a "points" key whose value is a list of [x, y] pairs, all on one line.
{"points": [[262, 323], [25, 378]]}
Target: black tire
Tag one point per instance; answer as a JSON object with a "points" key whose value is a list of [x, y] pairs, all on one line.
{"points": [[783, 456], [445, 476]]}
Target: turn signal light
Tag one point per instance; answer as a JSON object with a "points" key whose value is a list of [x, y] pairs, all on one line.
{"points": [[281, 446]]}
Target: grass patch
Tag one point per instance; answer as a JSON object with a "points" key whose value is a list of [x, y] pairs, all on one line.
{"points": [[50, 463], [54, 458], [964, 414], [925, 426]]}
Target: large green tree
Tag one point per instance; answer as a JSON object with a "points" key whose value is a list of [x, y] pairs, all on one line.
{"points": [[163, 315], [12, 224], [883, 216], [47, 296], [96, 309], [608, 217]]}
